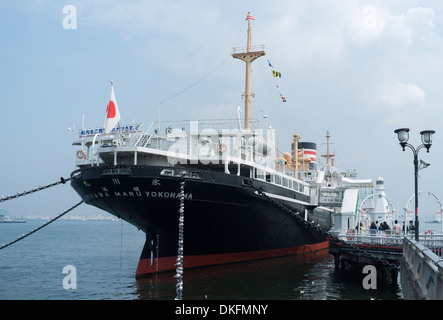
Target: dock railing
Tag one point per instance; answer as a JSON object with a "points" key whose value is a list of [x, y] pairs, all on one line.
{"points": [[375, 237], [424, 265], [428, 239], [433, 242]]}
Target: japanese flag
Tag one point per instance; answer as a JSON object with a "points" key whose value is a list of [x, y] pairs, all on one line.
{"points": [[112, 113]]}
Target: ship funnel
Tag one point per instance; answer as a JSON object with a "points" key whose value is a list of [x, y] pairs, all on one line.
{"points": [[308, 151]]}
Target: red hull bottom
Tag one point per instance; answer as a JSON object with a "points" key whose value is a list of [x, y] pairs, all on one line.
{"points": [[147, 267]]}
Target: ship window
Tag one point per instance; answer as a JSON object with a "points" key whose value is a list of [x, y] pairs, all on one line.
{"points": [[181, 173], [117, 171], [294, 185], [260, 174], [277, 179], [167, 172], [196, 175], [330, 194], [285, 182]]}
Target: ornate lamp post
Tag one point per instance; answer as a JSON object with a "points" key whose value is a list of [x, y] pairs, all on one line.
{"points": [[426, 139]]}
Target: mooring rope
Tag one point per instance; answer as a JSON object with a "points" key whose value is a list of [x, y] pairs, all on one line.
{"points": [[9, 197], [181, 225], [42, 226]]}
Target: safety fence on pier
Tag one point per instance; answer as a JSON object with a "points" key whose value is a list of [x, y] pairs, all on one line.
{"points": [[423, 267], [371, 237], [430, 240]]}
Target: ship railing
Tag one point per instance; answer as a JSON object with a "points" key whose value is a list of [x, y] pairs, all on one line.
{"points": [[187, 149], [126, 132], [142, 139], [217, 125], [172, 144], [214, 134], [136, 137], [245, 49]]}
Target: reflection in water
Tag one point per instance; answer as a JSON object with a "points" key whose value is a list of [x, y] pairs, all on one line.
{"points": [[310, 276]]}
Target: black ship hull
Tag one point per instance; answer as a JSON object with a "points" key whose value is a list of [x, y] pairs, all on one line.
{"points": [[226, 220]]}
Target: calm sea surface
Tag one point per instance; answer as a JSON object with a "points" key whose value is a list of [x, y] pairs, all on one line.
{"points": [[105, 255]]}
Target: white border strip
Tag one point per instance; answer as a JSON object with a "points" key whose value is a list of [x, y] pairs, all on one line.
{"points": [[285, 198]]}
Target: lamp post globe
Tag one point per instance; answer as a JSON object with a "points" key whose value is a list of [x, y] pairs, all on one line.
{"points": [[426, 138]]}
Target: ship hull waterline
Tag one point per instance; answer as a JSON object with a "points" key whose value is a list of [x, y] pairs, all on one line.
{"points": [[225, 220]]}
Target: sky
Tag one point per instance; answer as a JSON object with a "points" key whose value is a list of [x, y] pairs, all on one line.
{"points": [[358, 69]]}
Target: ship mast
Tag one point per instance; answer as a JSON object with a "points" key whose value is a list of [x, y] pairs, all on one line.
{"points": [[328, 155], [248, 56]]}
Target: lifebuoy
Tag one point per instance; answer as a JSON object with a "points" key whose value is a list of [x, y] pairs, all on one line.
{"points": [[81, 154], [428, 232], [222, 148], [348, 233]]}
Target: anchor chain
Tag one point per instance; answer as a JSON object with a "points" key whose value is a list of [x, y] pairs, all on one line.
{"points": [[42, 226], [325, 233], [9, 197], [181, 224]]}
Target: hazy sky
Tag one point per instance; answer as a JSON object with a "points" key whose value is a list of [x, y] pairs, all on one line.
{"points": [[359, 69]]}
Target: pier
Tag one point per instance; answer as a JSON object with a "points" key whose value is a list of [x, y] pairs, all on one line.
{"points": [[355, 249], [420, 262]]}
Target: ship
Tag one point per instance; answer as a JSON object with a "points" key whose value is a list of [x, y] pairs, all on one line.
{"points": [[8, 219], [235, 183]]}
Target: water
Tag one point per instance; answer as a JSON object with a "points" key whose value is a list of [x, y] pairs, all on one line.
{"points": [[105, 255]]}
